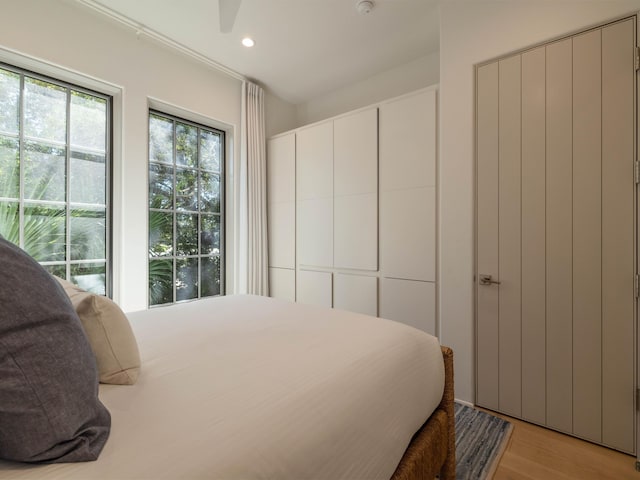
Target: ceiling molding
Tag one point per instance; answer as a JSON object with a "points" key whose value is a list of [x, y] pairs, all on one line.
{"points": [[158, 37]]}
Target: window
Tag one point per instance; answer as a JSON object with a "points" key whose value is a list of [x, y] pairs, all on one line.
{"points": [[55, 175], [186, 223]]}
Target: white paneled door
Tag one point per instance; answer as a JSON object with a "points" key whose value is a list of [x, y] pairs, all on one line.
{"points": [[281, 215], [355, 173], [556, 235], [408, 187], [408, 205], [314, 195]]}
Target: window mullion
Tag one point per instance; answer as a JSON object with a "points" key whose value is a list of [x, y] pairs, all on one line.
{"points": [[67, 176], [199, 209], [175, 214], [108, 198], [21, 161]]}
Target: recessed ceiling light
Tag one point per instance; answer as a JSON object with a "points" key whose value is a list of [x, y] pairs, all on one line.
{"points": [[247, 42]]}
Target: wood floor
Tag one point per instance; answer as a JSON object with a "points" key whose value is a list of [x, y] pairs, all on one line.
{"points": [[538, 453]]}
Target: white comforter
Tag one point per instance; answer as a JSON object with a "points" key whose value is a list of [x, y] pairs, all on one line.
{"points": [[244, 387]]}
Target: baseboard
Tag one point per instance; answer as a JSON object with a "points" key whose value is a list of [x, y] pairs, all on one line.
{"points": [[464, 402]]}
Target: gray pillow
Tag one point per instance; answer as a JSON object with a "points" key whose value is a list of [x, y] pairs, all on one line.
{"points": [[49, 406]]}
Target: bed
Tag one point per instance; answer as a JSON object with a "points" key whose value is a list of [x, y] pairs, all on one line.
{"points": [[243, 387]]}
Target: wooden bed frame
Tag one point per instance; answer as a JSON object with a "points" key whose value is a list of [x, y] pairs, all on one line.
{"points": [[432, 450]]}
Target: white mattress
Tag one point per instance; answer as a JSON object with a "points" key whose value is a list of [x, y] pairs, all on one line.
{"points": [[244, 387]]}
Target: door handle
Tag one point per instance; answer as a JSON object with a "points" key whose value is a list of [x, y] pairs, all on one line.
{"points": [[487, 280]]}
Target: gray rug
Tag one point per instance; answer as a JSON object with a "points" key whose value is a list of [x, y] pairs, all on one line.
{"points": [[480, 440]]}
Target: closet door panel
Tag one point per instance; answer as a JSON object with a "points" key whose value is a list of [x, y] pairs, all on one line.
{"points": [[315, 232], [282, 225], [282, 284], [533, 236], [356, 293], [408, 142], [314, 288], [407, 233], [487, 360], [559, 236], [410, 302], [355, 151], [356, 191], [281, 188], [314, 174], [281, 169], [587, 245], [618, 236], [356, 232], [509, 260], [314, 162]]}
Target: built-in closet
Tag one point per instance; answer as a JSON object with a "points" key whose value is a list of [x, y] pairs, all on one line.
{"points": [[556, 234], [352, 211]]}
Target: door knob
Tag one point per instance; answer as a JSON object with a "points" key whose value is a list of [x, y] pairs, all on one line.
{"points": [[487, 280]]}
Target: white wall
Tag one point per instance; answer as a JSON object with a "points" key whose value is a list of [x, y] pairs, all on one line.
{"points": [[472, 32], [71, 36], [280, 116], [406, 78]]}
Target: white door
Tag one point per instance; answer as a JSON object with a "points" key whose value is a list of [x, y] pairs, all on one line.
{"points": [[556, 243]]}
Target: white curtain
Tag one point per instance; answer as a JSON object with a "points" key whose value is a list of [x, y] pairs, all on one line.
{"points": [[253, 242]]}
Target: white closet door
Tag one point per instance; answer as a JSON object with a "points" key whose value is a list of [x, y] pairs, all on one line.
{"points": [[410, 302], [315, 232], [282, 284], [314, 288], [314, 174], [356, 293], [356, 232], [408, 233], [282, 234], [407, 135], [356, 153], [281, 187], [281, 169], [408, 142], [355, 191]]}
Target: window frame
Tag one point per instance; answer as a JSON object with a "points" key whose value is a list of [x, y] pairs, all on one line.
{"points": [[68, 86], [177, 118]]}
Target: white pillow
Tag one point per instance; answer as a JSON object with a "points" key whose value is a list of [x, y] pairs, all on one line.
{"points": [[109, 333]]}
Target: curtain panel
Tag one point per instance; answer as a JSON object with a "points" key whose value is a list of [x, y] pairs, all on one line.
{"points": [[254, 249]]}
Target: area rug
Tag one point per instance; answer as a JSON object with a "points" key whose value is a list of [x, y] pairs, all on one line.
{"points": [[480, 441]]}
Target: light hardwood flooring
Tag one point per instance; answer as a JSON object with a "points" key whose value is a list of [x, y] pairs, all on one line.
{"points": [[536, 453]]}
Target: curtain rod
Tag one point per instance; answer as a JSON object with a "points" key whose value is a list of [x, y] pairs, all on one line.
{"points": [[141, 29]]}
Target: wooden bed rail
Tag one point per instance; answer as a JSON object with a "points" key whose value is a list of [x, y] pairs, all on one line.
{"points": [[449, 467]]}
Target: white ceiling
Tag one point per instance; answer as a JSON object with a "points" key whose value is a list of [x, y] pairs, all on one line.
{"points": [[304, 48]]}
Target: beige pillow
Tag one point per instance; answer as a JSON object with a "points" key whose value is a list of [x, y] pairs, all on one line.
{"points": [[109, 333]]}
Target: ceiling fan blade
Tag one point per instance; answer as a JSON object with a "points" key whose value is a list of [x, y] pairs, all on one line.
{"points": [[228, 9]]}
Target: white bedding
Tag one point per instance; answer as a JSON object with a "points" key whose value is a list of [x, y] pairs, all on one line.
{"points": [[244, 387]]}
